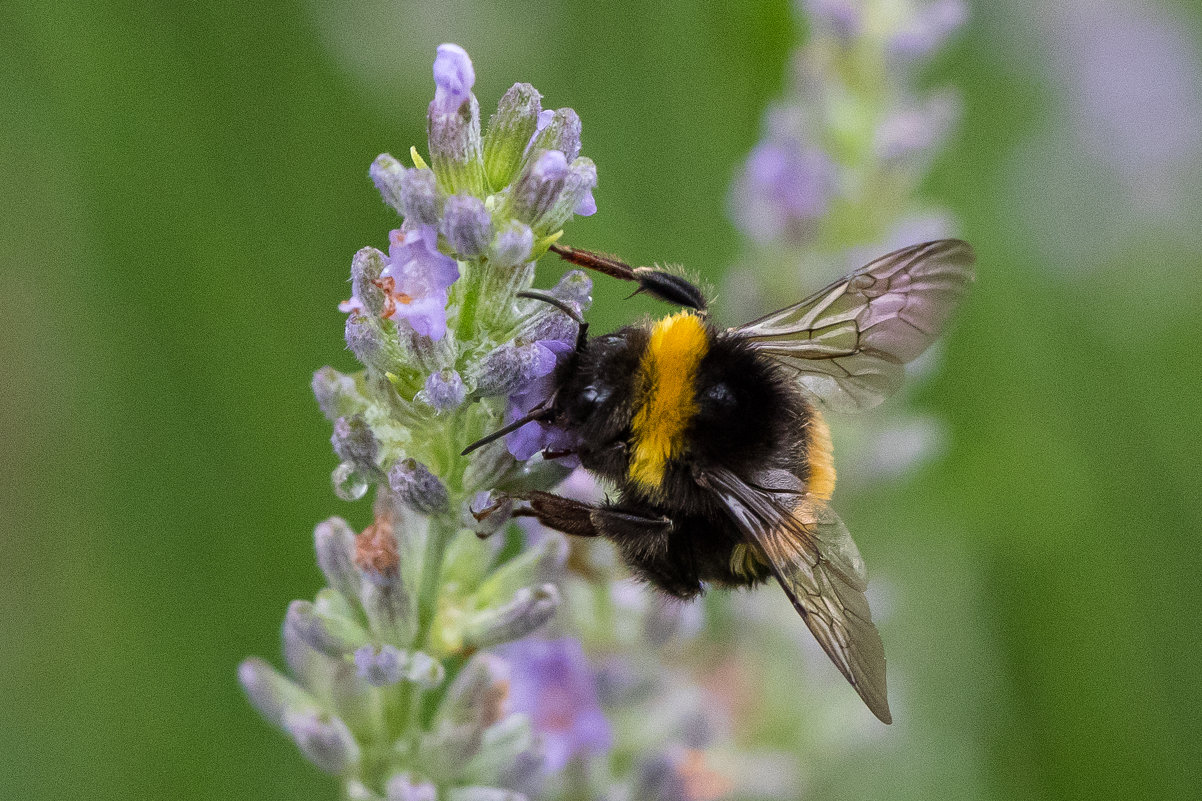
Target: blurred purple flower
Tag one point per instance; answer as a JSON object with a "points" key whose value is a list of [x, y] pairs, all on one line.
{"points": [[844, 18], [552, 682], [1134, 81], [928, 28], [454, 77], [913, 132], [783, 190], [416, 280]]}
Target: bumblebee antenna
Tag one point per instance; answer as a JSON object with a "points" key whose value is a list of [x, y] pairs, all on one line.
{"points": [[537, 414], [657, 283], [535, 294], [581, 333]]}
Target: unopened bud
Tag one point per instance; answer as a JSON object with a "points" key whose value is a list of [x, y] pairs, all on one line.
{"points": [[561, 133], [538, 187], [511, 366], [576, 196], [509, 133], [467, 225], [404, 787], [513, 244], [365, 272], [526, 611], [443, 391], [386, 174], [380, 666], [416, 486], [354, 442], [324, 739], [419, 196], [330, 635], [335, 393], [478, 694], [335, 544], [456, 151], [271, 693]]}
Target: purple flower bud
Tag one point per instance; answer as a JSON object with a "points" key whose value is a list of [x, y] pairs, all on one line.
{"points": [[419, 196], [576, 197], [513, 365], [380, 666], [453, 124], [386, 173], [334, 392], [444, 391], [417, 487], [334, 542], [844, 18], [538, 187], [911, 134], [366, 338], [322, 632], [478, 694], [467, 225], [526, 611], [454, 76], [324, 740], [354, 442], [513, 244], [366, 295], [552, 329], [270, 693], [560, 131], [404, 787], [575, 287], [552, 682], [416, 281], [782, 192], [509, 132], [927, 30], [425, 671]]}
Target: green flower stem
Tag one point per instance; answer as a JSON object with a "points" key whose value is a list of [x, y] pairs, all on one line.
{"points": [[406, 714]]}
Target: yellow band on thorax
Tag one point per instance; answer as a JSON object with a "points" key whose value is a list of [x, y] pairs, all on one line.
{"points": [[667, 398]]}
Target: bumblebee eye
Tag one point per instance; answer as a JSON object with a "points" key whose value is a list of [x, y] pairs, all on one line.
{"points": [[720, 394], [592, 396]]}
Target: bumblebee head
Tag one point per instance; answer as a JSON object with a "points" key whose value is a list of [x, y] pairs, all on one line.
{"points": [[596, 386]]}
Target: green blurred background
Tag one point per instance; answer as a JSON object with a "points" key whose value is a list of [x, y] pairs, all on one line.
{"points": [[184, 185]]}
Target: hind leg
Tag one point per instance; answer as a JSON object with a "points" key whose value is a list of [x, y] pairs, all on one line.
{"points": [[649, 541]]}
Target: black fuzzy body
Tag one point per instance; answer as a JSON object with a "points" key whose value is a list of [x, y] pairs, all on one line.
{"points": [[749, 417]]}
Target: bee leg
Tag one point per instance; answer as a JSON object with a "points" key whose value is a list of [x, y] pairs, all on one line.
{"points": [[582, 519], [658, 283], [549, 453]]}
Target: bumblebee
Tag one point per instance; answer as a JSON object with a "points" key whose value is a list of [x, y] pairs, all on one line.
{"points": [[716, 443]]}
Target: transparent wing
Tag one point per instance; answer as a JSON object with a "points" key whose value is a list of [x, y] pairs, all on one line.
{"points": [[848, 342], [814, 559]]}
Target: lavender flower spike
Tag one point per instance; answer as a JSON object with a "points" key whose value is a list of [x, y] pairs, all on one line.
{"points": [[448, 347]]}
